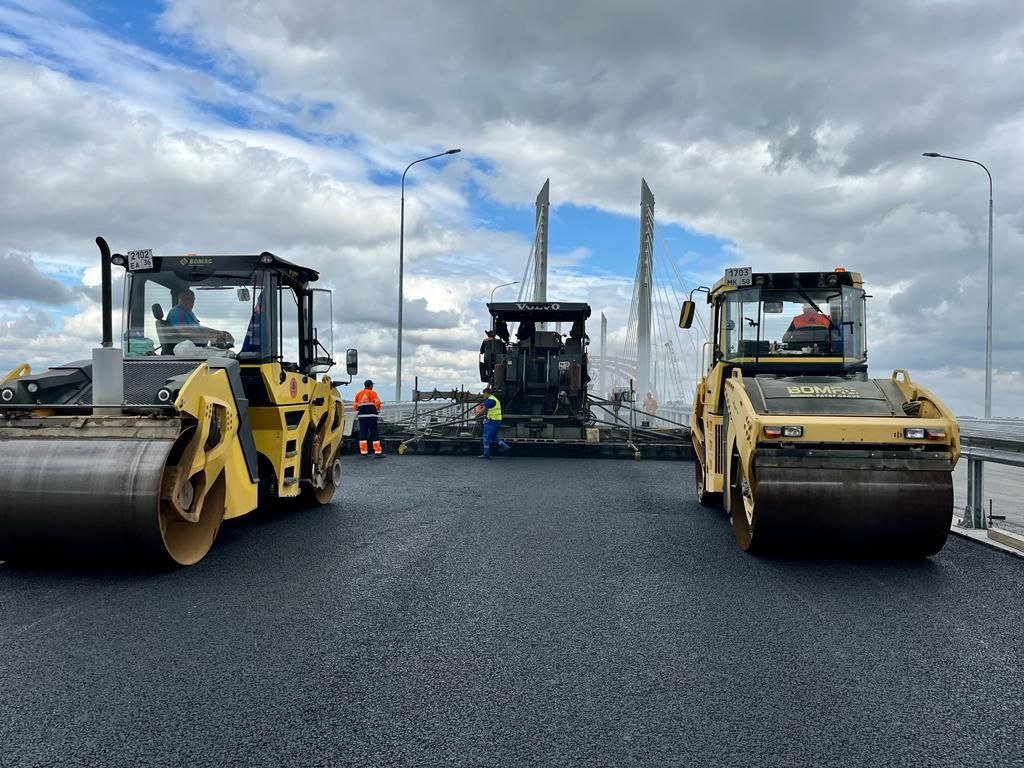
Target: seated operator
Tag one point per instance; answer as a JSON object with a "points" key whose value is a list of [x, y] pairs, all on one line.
{"points": [[808, 327], [253, 333], [184, 322]]}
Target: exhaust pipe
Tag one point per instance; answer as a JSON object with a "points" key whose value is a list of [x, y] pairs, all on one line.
{"points": [[107, 360], [106, 293]]}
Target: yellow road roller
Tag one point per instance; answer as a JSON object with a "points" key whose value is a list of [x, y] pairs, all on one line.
{"points": [[215, 402], [805, 451]]}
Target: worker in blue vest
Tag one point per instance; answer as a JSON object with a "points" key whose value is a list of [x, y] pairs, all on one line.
{"points": [[491, 410]]}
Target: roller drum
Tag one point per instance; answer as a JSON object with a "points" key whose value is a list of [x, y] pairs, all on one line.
{"points": [[82, 499], [872, 511]]}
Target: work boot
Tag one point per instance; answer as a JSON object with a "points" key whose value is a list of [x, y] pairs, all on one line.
{"points": [[483, 456], [379, 455], [505, 447]]}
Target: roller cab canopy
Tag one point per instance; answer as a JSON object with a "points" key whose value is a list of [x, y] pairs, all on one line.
{"points": [[787, 280], [192, 267]]}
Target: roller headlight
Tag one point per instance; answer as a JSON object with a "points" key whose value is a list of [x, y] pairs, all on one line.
{"points": [[32, 387], [6, 395], [787, 431], [164, 395]]}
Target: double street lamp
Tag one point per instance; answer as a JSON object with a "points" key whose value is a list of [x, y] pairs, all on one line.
{"points": [[401, 267], [988, 320]]}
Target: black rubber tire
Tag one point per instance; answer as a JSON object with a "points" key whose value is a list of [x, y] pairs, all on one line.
{"points": [[742, 527]]}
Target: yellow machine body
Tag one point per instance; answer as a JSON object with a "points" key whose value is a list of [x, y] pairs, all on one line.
{"points": [[804, 451], [189, 440]]}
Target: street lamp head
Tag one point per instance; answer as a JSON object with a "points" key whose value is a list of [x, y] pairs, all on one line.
{"points": [[503, 285], [453, 151], [930, 154]]}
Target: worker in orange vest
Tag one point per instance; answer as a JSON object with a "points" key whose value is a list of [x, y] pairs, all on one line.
{"points": [[810, 318], [367, 405]]}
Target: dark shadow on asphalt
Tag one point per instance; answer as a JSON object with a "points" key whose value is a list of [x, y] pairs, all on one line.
{"points": [[259, 525], [60, 570], [234, 535], [807, 556]]}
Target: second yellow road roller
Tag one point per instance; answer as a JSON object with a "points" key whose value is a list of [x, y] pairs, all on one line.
{"points": [[215, 401], [806, 452]]}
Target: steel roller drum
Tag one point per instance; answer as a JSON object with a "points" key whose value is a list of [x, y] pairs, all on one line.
{"points": [[870, 511], [84, 499]]}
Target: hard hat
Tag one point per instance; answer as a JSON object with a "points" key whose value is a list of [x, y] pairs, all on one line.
{"points": [[367, 383]]}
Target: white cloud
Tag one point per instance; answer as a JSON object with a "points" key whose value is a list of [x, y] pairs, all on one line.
{"points": [[792, 131]]}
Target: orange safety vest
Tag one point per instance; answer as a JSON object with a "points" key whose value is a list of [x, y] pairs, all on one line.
{"points": [[366, 402], [806, 321]]}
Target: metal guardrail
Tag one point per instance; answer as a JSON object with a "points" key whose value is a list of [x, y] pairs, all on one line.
{"points": [[402, 412], [997, 441], [1000, 441]]}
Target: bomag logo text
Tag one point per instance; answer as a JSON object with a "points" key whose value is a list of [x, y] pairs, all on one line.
{"points": [[826, 390], [189, 261]]}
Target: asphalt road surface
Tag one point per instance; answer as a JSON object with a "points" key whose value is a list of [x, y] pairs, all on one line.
{"points": [[516, 612]]}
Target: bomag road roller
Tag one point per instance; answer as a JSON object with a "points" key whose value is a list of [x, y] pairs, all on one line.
{"points": [[806, 452], [202, 413]]}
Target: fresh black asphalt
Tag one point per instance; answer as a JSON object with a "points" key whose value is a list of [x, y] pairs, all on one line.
{"points": [[517, 612]]}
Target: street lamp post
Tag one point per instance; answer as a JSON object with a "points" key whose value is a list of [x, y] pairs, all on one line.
{"points": [[514, 282], [401, 267], [988, 317], [503, 285]]}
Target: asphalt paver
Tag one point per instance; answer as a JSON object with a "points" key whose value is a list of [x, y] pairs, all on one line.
{"points": [[513, 612]]}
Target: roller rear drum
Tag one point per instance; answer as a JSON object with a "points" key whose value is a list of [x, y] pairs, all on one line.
{"points": [[900, 513]]}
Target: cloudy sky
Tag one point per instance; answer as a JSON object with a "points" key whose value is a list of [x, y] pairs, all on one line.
{"points": [[784, 135]]}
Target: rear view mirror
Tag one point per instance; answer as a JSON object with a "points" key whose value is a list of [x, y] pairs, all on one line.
{"points": [[243, 294], [352, 362], [686, 314], [773, 307]]}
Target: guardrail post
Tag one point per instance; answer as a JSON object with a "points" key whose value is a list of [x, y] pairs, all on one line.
{"points": [[974, 513]]}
